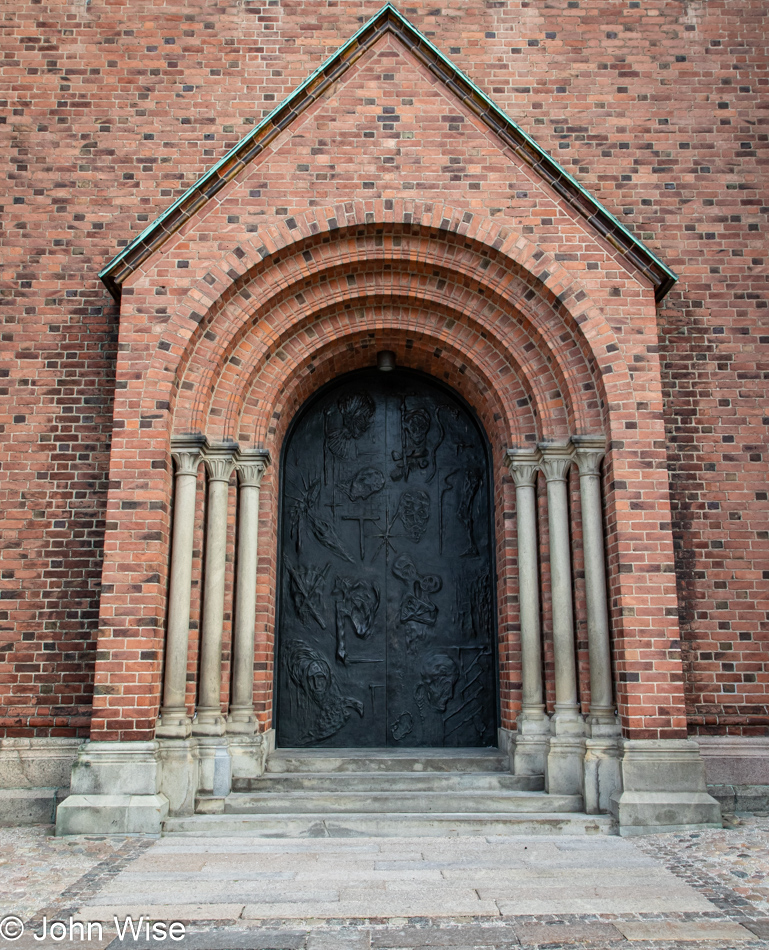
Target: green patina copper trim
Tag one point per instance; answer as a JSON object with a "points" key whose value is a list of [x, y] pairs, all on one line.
{"points": [[388, 19]]}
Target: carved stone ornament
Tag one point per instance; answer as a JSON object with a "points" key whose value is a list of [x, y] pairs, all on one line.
{"points": [[187, 452], [251, 465], [588, 452], [524, 465], [556, 460], [220, 461]]}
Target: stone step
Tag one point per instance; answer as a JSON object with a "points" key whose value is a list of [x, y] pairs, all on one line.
{"points": [[387, 826], [287, 782], [399, 802], [387, 760]]}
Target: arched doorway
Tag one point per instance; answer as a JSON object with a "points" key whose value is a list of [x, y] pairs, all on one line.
{"points": [[386, 608]]}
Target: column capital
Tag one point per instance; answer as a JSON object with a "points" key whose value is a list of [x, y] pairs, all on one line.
{"points": [[220, 461], [251, 465], [524, 465], [588, 452], [187, 451], [556, 459]]}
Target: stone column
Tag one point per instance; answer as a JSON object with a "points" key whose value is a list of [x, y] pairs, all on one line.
{"points": [[209, 721], [251, 467], [564, 761], [588, 454], [174, 723], [602, 758], [531, 743]]}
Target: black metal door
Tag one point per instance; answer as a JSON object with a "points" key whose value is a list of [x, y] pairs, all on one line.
{"points": [[387, 624]]}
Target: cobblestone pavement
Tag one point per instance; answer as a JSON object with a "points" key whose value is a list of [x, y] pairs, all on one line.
{"points": [[705, 889]]}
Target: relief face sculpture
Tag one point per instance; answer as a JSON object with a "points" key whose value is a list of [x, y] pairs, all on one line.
{"points": [[387, 489], [439, 679], [414, 512], [365, 483], [325, 709]]}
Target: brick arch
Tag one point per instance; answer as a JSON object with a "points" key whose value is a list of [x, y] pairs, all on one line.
{"points": [[506, 256], [283, 385], [538, 345], [265, 329], [449, 328]]}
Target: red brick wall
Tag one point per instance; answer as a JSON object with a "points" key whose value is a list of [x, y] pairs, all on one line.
{"points": [[110, 111]]}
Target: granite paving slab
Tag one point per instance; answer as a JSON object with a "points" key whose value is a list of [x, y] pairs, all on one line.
{"points": [[160, 911], [217, 938], [619, 904], [758, 927], [206, 892], [31, 942], [721, 932], [418, 938], [386, 906], [559, 933], [339, 940]]}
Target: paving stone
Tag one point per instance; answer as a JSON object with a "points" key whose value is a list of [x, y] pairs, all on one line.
{"points": [[759, 927], [454, 937], [225, 939], [715, 930], [364, 875], [387, 906], [518, 877], [465, 899], [576, 932], [221, 892], [340, 940], [163, 863], [166, 912], [29, 942], [621, 904]]}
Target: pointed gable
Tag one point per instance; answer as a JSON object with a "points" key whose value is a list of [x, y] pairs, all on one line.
{"points": [[391, 35]]}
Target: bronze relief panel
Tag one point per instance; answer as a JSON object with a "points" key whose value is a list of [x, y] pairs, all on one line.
{"points": [[386, 622]]}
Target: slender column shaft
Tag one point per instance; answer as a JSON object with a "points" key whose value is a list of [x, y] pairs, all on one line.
{"points": [[524, 467], [251, 468], [173, 721], [588, 454], [209, 721], [555, 464]]}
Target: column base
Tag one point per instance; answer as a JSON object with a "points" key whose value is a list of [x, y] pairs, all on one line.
{"points": [[603, 727], [179, 775], [215, 774], [249, 755], [241, 721], [115, 790], [602, 777], [663, 788], [564, 766], [567, 722], [173, 724], [506, 739], [209, 722], [532, 742]]}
